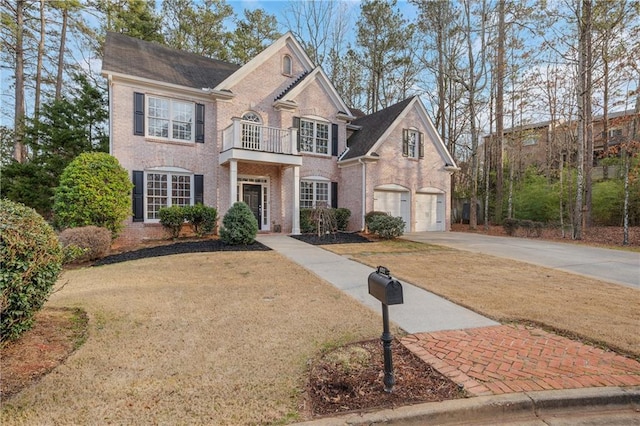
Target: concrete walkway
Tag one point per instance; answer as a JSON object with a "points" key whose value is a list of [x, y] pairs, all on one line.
{"points": [[421, 312], [615, 266]]}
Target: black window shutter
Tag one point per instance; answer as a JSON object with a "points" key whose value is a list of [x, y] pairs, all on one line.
{"points": [[334, 139], [200, 123], [198, 194], [405, 142], [138, 114], [138, 196], [334, 195], [296, 124], [421, 145]]}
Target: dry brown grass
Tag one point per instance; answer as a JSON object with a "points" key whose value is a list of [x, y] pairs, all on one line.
{"points": [[209, 338], [508, 290]]}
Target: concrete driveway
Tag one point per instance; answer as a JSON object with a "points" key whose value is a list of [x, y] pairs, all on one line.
{"points": [[616, 266]]}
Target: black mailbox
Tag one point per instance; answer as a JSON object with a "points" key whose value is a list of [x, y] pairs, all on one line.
{"points": [[384, 288]]}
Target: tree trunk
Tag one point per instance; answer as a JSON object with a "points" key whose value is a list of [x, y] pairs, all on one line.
{"points": [[38, 88], [19, 151], [588, 167], [500, 64], [63, 40]]}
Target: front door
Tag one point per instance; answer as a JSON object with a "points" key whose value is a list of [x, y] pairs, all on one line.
{"points": [[252, 195]]}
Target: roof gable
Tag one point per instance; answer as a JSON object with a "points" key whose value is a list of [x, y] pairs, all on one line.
{"points": [[153, 61], [316, 75], [375, 128], [287, 40]]}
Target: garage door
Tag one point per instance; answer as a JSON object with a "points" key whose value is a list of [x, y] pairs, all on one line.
{"points": [[429, 212], [394, 203]]}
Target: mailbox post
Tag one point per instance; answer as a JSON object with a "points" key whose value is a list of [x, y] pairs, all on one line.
{"points": [[388, 291]]}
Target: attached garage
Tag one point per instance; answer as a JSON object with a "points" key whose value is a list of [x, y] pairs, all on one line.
{"points": [[395, 201], [430, 210]]}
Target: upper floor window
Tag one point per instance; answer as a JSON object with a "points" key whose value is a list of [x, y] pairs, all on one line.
{"points": [[412, 143], [530, 140], [287, 65], [170, 118], [314, 136]]}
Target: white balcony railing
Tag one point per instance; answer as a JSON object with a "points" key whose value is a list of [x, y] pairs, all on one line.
{"points": [[256, 137]]}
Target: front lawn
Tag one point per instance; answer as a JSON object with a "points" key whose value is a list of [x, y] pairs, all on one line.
{"points": [[507, 290]]}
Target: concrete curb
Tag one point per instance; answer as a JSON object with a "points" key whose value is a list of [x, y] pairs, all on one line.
{"points": [[516, 408]]}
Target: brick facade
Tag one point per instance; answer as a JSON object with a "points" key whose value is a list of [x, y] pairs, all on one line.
{"points": [[261, 87]]}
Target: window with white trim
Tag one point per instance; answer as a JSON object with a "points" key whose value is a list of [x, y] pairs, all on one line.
{"points": [[166, 189], [314, 136], [314, 194], [170, 119]]}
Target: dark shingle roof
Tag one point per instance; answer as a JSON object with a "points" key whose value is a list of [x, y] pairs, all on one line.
{"points": [[373, 126], [131, 56]]}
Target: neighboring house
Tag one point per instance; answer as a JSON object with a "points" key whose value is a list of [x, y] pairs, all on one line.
{"points": [[273, 133], [549, 143]]}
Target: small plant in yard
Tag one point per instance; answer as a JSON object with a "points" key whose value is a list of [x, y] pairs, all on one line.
{"points": [[31, 259], [324, 220], [94, 190], [307, 226], [342, 218], [92, 241], [387, 227], [172, 218], [202, 219], [239, 225], [371, 215]]}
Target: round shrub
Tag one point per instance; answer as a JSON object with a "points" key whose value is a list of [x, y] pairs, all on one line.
{"points": [[372, 214], [94, 242], [386, 226], [202, 219], [239, 225], [172, 218], [94, 190], [30, 261], [307, 226], [342, 218]]}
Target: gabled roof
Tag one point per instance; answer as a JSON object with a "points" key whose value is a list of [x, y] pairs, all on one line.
{"points": [[139, 58], [286, 40], [373, 127], [316, 75], [376, 126]]}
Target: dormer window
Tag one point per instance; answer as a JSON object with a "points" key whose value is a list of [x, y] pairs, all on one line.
{"points": [[287, 65]]}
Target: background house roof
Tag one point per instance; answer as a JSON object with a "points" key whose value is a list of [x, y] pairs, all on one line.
{"points": [[373, 127], [131, 56]]}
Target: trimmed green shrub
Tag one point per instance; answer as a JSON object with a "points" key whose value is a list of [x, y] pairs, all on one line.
{"points": [[239, 225], [30, 261], [93, 241], [387, 227], [202, 219], [307, 225], [172, 218], [94, 190], [371, 215], [342, 218]]}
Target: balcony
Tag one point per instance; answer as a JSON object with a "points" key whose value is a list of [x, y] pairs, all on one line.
{"points": [[245, 141]]}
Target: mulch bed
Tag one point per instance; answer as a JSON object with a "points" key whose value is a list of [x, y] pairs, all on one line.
{"points": [[207, 245], [337, 238], [350, 378]]}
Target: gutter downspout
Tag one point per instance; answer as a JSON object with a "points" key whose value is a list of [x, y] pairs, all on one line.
{"points": [[110, 100], [364, 191]]}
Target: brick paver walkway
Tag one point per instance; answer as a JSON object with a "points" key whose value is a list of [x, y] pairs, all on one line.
{"points": [[513, 358]]}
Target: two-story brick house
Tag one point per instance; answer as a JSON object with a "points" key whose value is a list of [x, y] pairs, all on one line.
{"points": [[273, 133]]}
